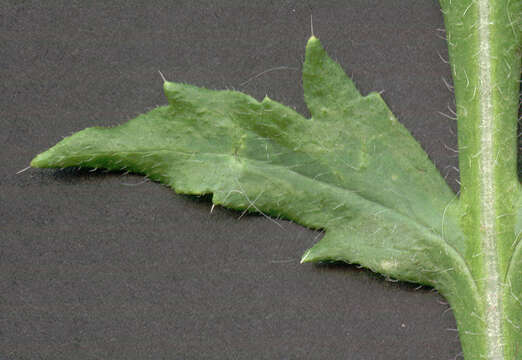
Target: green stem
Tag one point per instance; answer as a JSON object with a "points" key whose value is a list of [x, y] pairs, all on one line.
{"points": [[483, 42]]}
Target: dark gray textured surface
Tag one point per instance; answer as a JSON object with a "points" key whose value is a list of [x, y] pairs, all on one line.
{"points": [[92, 267]]}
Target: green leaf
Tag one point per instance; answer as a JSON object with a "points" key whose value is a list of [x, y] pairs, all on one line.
{"points": [[352, 170]]}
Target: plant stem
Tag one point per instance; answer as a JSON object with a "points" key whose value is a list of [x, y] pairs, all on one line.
{"points": [[483, 42]]}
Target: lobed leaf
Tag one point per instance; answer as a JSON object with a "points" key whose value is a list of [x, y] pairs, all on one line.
{"points": [[352, 169]]}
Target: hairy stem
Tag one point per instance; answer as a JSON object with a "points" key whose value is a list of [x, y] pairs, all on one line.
{"points": [[483, 44]]}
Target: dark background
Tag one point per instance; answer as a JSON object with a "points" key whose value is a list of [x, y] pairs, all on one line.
{"points": [[97, 265]]}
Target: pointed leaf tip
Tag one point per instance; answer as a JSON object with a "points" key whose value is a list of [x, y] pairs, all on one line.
{"points": [[312, 38], [34, 163], [313, 43], [326, 85], [40, 160], [167, 86]]}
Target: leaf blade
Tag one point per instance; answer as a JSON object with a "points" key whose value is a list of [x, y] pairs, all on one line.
{"points": [[351, 161]]}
